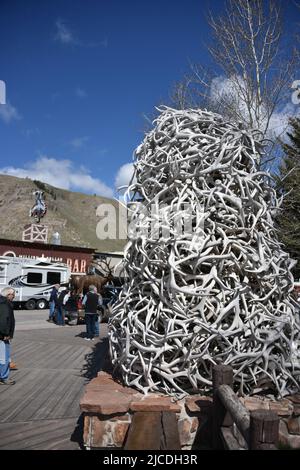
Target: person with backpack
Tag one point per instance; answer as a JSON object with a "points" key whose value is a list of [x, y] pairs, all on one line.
{"points": [[92, 300]]}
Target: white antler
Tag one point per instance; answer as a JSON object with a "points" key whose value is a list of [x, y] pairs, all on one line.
{"points": [[218, 292]]}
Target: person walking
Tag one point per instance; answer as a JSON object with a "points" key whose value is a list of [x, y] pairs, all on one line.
{"points": [[53, 302], [7, 328], [91, 301]]}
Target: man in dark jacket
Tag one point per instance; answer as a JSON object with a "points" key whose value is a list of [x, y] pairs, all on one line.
{"points": [[60, 320], [7, 328], [53, 302], [92, 300]]}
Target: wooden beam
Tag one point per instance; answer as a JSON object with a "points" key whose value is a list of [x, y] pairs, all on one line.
{"points": [[238, 412], [221, 374]]}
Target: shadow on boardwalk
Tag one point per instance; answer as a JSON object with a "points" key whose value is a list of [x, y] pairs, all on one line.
{"points": [[96, 360]]}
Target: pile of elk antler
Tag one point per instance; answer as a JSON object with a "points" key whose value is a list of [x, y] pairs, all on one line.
{"points": [[218, 292]]}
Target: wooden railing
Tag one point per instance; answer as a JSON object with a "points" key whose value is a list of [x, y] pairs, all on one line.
{"points": [[259, 428]]}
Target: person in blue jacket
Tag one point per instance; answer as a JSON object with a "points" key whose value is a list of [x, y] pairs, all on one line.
{"points": [[53, 303]]}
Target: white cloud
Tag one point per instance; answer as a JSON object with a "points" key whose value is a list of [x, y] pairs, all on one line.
{"points": [[231, 88], [279, 120], [80, 93], [61, 174], [124, 175], [221, 86], [9, 113], [79, 142], [63, 34]]}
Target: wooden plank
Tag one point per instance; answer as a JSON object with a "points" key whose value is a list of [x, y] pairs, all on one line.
{"points": [[13, 399], [35, 431], [27, 401], [33, 353], [40, 435], [72, 408], [21, 349], [58, 444], [67, 397], [49, 408], [20, 377], [75, 359], [264, 430], [170, 434], [50, 355], [62, 353], [145, 431], [39, 401]]}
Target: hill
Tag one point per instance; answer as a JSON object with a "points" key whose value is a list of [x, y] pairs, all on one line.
{"points": [[72, 214]]}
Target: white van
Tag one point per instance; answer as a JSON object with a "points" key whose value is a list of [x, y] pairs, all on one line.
{"points": [[32, 279]]}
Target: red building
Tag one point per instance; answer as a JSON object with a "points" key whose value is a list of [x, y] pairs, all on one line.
{"points": [[77, 258]]}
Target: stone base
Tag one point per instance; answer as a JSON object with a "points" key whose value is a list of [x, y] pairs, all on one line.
{"points": [[108, 407]]}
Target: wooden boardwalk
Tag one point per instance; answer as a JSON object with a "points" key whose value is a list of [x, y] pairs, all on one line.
{"points": [[41, 411]]}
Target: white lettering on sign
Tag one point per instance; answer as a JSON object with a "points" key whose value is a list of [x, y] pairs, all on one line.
{"points": [[83, 266], [74, 265]]}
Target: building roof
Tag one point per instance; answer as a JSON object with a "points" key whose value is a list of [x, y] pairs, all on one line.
{"points": [[20, 243]]}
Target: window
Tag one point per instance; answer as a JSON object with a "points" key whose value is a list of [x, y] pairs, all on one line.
{"points": [[34, 278], [53, 278]]}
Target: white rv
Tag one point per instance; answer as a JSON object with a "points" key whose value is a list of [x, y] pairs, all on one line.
{"points": [[32, 279]]}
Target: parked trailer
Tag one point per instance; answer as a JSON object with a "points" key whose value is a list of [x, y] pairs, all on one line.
{"points": [[32, 279]]}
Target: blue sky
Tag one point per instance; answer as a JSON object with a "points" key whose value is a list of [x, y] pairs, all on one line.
{"points": [[81, 75]]}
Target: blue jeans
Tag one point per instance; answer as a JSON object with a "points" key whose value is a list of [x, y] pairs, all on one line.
{"points": [[51, 309], [4, 368], [60, 318], [97, 326], [90, 324]]}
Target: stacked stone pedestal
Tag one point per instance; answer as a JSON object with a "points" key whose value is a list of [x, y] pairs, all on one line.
{"points": [[108, 407]]}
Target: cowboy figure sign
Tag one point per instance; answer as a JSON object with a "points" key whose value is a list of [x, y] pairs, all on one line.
{"points": [[40, 208]]}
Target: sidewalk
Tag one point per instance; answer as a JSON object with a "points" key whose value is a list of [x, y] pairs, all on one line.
{"points": [[41, 411]]}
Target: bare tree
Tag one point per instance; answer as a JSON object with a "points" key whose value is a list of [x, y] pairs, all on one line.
{"points": [[253, 73]]}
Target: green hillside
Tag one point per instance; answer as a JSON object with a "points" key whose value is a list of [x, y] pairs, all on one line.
{"points": [[72, 214]]}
